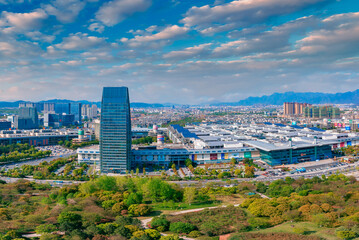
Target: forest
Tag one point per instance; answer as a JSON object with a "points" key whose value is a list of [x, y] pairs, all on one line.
{"points": [[112, 207]]}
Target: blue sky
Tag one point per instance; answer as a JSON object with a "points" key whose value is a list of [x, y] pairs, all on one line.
{"points": [[177, 51]]}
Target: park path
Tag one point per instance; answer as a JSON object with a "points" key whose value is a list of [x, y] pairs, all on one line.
{"points": [[145, 222]]}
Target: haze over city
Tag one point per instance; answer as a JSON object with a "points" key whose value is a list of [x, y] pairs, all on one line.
{"points": [[177, 51]]}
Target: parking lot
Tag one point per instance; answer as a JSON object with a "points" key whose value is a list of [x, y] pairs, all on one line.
{"points": [[57, 150]]}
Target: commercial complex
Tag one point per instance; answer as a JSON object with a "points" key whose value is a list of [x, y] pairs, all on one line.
{"points": [[275, 144], [36, 137], [115, 130]]}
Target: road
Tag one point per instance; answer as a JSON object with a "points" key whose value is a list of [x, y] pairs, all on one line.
{"points": [[33, 162], [59, 183]]}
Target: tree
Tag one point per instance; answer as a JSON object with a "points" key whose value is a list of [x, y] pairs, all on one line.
{"points": [[188, 162], [233, 161], [238, 172], [189, 194], [249, 171], [106, 183], [261, 187], [133, 198], [69, 221]]}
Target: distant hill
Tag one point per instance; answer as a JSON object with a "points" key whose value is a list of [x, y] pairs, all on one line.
{"points": [[10, 104], [308, 97]]}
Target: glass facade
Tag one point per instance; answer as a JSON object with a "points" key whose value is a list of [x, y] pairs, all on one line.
{"points": [[75, 109], [298, 155], [115, 130]]}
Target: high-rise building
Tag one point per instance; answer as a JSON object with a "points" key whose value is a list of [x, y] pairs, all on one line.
{"points": [[115, 130], [38, 105], [321, 112], [61, 108], [294, 108], [49, 107], [5, 125], [75, 109], [88, 111], [27, 118]]}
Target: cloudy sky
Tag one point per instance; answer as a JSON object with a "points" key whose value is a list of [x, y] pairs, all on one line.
{"points": [[179, 51]]}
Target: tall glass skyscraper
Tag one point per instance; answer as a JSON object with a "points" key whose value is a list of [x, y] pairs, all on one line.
{"points": [[115, 130]]}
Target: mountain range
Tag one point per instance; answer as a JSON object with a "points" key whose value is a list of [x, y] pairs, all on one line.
{"points": [[304, 97], [273, 99]]}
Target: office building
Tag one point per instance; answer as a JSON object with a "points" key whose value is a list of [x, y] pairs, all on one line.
{"points": [[75, 109], [58, 120], [5, 125], [51, 120], [27, 118], [67, 119], [115, 130], [61, 108]]}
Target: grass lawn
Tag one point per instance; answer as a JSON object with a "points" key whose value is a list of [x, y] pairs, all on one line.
{"points": [[183, 206], [325, 233], [231, 199]]}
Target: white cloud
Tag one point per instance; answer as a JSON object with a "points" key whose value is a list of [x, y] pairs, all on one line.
{"points": [[337, 38], [277, 39], [240, 13], [65, 10], [167, 34], [116, 11], [24, 21], [189, 52], [80, 41], [96, 27]]}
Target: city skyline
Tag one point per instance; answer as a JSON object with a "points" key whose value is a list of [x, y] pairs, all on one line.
{"points": [[173, 51]]}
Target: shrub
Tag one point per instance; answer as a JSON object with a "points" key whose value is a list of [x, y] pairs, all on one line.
{"points": [[170, 237], [300, 230], [108, 204], [118, 207], [181, 227], [139, 209], [45, 228], [346, 234], [107, 228], [160, 222], [194, 234], [153, 234], [258, 223]]}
